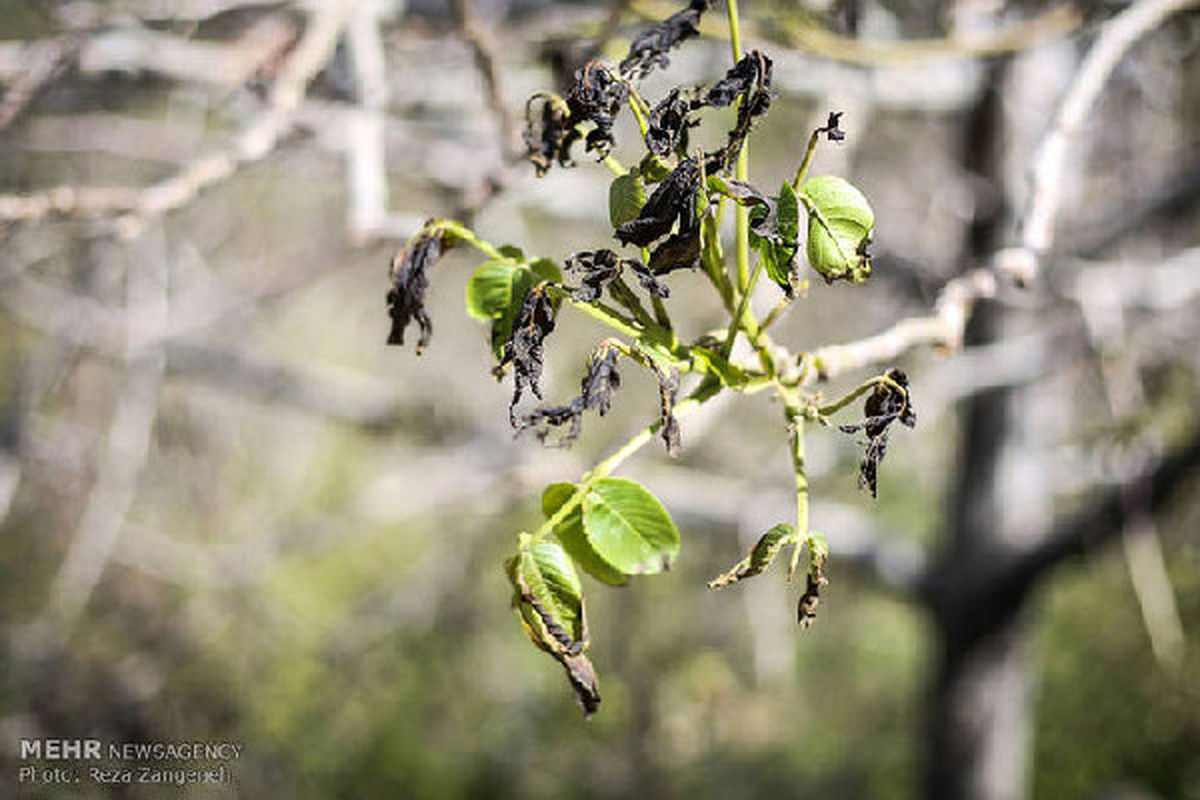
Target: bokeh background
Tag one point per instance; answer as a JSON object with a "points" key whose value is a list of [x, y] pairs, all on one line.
{"points": [[229, 512]]}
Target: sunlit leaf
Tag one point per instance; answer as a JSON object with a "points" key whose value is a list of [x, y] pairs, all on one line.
{"points": [[574, 539], [840, 222], [628, 527], [626, 196]]}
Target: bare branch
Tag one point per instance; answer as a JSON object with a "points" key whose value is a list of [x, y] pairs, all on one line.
{"points": [[42, 61], [1117, 36], [129, 438]]}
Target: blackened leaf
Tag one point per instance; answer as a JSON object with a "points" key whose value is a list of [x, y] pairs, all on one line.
{"points": [[679, 251], [647, 280], [574, 539], [649, 48], [628, 527], [626, 196], [668, 388], [840, 222], [673, 199], [749, 79], [818, 554], [548, 599], [596, 97], [599, 383], [758, 559], [549, 131], [883, 406], [831, 130], [524, 348], [596, 269], [409, 272], [667, 131]]}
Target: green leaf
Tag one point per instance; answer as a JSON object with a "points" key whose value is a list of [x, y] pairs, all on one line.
{"points": [[840, 222], [546, 269], [574, 539], [759, 558], [628, 527], [549, 602], [513, 252], [491, 289], [788, 213], [626, 196]]}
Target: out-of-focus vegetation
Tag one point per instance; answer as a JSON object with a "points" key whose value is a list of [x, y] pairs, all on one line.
{"points": [[308, 561]]}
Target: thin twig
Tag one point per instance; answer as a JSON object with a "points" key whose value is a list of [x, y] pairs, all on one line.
{"points": [[1116, 37]]}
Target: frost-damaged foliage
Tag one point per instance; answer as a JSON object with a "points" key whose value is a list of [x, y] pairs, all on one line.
{"points": [[650, 47], [750, 79], [596, 389], [890, 401], [524, 349], [668, 208], [598, 268], [548, 599], [409, 272]]}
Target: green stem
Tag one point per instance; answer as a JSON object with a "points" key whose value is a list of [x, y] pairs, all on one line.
{"points": [[802, 171], [741, 320], [620, 291], [704, 392], [613, 165], [796, 427], [467, 235], [636, 104], [859, 391], [743, 164]]}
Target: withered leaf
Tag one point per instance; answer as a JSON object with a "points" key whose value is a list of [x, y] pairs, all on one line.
{"points": [[524, 348], [831, 130], [650, 47], [679, 251], [818, 555], [596, 389], [598, 268], [547, 597], [548, 132], [749, 79], [668, 125], [596, 97], [673, 199], [668, 388], [883, 406], [409, 272]]}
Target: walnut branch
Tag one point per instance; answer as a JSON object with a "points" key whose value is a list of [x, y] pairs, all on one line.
{"points": [[1022, 262]]}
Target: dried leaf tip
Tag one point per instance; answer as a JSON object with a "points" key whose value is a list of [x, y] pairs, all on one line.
{"points": [[409, 271], [888, 402]]}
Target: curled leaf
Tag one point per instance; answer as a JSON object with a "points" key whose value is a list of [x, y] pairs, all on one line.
{"points": [[599, 383], [668, 388], [668, 125], [831, 130], [840, 221], [650, 47], [548, 599], [673, 199], [598, 268], [888, 402], [759, 557], [749, 79], [524, 348], [549, 132], [409, 272], [818, 554], [596, 97]]}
